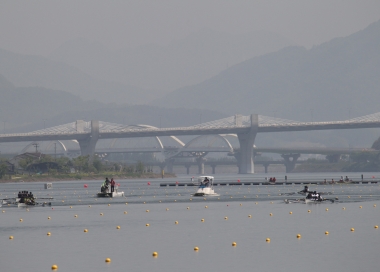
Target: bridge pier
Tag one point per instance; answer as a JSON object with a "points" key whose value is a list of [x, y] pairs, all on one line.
{"points": [[290, 161], [266, 165], [246, 141], [87, 146], [169, 165], [201, 165], [213, 166], [188, 168]]}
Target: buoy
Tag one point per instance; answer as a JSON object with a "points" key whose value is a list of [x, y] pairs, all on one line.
{"points": [[374, 205], [360, 207], [85, 230], [176, 222], [71, 207], [85, 186], [148, 183], [89, 206], [109, 204], [298, 236], [352, 229], [21, 220], [309, 211], [3, 211], [206, 207], [249, 216], [155, 254], [202, 220], [343, 208], [326, 232], [147, 225], [126, 203], [327, 209], [226, 218], [271, 202], [10, 237], [188, 208], [270, 214], [147, 210], [241, 204], [48, 234], [76, 216], [234, 244], [49, 218], [54, 267], [108, 260], [167, 209], [196, 248], [290, 212], [348, 196], [267, 240], [63, 201], [125, 212], [376, 227], [255, 203]]}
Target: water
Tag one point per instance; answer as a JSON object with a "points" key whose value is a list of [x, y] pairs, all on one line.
{"points": [[130, 248]]}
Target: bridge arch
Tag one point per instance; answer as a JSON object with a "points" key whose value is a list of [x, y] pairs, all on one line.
{"points": [[46, 147], [211, 140]]}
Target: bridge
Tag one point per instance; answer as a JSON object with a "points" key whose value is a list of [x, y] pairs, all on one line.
{"points": [[245, 127]]}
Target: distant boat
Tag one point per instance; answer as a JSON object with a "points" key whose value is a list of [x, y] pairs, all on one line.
{"points": [[206, 186], [105, 191]]}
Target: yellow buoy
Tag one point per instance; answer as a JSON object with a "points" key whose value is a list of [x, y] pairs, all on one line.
{"points": [[206, 207], [326, 232], [76, 216], [327, 209], [271, 202], [360, 207], [101, 214], [155, 254], [21, 220], [374, 205], [255, 203], [85, 230], [234, 244], [54, 267], [343, 208], [249, 216], [167, 209], [118, 227], [309, 211], [226, 218], [49, 218], [147, 225], [267, 240], [147, 210], [188, 208], [10, 237], [352, 229], [109, 204], [125, 212], [298, 236], [241, 204], [126, 203], [202, 220], [71, 207], [108, 260], [270, 214], [196, 248], [191, 199], [376, 227], [290, 212], [176, 222], [89, 206], [48, 234]]}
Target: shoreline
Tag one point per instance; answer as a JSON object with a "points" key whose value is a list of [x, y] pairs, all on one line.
{"points": [[37, 178]]}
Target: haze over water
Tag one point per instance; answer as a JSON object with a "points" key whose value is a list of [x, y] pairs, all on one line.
{"points": [[130, 248]]}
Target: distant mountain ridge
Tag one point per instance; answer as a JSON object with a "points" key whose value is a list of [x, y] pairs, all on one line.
{"points": [[330, 81], [182, 62], [27, 71]]}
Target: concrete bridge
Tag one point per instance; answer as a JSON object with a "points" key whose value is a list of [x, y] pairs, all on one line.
{"points": [[245, 127]]}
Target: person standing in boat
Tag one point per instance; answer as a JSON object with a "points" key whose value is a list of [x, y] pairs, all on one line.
{"points": [[112, 185]]}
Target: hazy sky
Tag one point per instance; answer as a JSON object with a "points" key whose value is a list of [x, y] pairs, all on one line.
{"points": [[39, 27]]}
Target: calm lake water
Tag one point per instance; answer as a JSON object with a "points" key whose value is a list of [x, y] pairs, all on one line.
{"points": [[248, 223]]}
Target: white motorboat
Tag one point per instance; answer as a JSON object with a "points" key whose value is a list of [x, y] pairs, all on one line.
{"points": [[206, 186], [105, 191]]}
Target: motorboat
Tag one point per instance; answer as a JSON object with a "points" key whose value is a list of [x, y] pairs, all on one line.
{"points": [[105, 191], [206, 186]]}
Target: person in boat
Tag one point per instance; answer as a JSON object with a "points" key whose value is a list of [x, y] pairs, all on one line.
{"points": [[341, 179], [332, 181], [346, 179], [305, 190], [112, 185], [274, 179], [206, 181], [270, 179]]}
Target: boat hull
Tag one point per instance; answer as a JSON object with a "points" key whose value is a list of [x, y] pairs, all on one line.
{"points": [[113, 194]]}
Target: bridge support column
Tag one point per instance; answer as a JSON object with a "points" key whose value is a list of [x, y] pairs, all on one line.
{"points": [[290, 161], [246, 141], [188, 168], [201, 165], [169, 165], [213, 166], [266, 165], [87, 146]]}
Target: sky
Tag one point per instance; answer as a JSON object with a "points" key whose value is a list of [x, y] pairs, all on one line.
{"points": [[39, 27]]}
